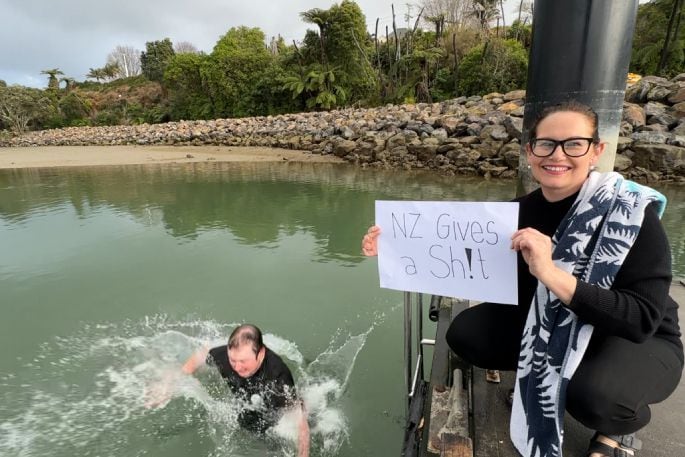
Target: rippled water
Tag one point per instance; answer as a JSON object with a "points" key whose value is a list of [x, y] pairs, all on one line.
{"points": [[110, 277]]}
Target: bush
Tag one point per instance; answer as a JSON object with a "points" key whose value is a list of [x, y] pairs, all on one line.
{"points": [[495, 66]]}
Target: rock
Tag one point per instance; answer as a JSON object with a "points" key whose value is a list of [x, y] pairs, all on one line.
{"points": [[658, 93], [509, 107], [654, 108], [677, 96], [657, 157], [440, 134], [514, 127], [495, 132], [622, 163], [343, 147], [637, 93], [512, 155], [664, 119], [465, 158], [634, 115], [677, 140], [623, 143], [650, 137], [678, 110], [514, 95]]}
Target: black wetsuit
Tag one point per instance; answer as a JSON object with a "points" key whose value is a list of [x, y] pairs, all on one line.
{"points": [[635, 357], [272, 383]]}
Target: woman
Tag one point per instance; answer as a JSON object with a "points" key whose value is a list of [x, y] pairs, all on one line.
{"points": [[594, 262]]}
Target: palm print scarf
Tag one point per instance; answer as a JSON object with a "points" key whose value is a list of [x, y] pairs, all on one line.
{"points": [[591, 242]]}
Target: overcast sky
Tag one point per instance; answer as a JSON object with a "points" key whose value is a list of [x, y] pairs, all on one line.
{"points": [[75, 35]]}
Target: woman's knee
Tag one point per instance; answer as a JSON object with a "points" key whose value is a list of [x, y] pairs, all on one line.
{"points": [[601, 407]]}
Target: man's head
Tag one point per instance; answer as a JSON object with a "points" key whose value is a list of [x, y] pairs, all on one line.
{"points": [[246, 350]]}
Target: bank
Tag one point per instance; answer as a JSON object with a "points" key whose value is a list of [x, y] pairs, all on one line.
{"points": [[477, 136]]}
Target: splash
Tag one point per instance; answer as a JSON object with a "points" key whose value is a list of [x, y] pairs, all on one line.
{"points": [[86, 395]]}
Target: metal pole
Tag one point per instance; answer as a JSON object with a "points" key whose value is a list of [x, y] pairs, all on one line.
{"points": [[419, 331], [580, 50], [407, 345]]}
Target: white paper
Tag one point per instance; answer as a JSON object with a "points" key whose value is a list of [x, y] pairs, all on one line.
{"points": [[453, 249]]}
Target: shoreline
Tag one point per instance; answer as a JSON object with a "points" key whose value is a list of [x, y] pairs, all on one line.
{"points": [[83, 156]]}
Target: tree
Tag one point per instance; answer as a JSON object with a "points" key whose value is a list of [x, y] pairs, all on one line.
{"points": [[187, 87], [343, 44], [233, 69], [671, 33], [53, 81], [185, 47], [96, 74], [321, 19], [126, 59], [454, 12], [69, 83], [651, 43], [495, 66], [155, 58], [19, 106]]}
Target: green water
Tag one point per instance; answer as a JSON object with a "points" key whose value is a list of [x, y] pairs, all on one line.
{"points": [[110, 277]]}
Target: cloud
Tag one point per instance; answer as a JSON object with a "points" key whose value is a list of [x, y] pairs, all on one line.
{"points": [[75, 35]]}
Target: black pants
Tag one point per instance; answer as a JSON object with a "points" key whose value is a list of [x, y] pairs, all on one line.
{"points": [[612, 388]]}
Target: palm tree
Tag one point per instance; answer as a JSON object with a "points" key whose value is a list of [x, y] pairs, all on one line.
{"points": [[321, 18], [96, 73], [68, 83], [671, 34], [53, 82]]}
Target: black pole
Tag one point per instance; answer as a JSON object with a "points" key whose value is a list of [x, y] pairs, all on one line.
{"points": [[580, 50]]}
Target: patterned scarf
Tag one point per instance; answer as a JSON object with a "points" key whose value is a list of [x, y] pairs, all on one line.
{"points": [[591, 242]]}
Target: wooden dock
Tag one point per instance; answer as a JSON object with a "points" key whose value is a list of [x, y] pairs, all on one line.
{"points": [[466, 416]]}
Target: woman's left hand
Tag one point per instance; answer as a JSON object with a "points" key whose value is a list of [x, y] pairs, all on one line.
{"points": [[536, 249]]}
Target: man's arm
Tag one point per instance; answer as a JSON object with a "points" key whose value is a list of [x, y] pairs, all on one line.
{"points": [[303, 435], [162, 391], [195, 361]]}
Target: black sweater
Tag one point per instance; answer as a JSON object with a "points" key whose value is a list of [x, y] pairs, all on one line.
{"points": [[638, 305]]}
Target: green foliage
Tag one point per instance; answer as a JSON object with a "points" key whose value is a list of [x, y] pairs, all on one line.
{"points": [[344, 44], [74, 109], [155, 58], [648, 41], [233, 70], [53, 81], [187, 95], [520, 32], [22, 106], [495, 66]]}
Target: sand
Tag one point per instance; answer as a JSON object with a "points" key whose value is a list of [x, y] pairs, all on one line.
{"points": [[80, 156]]}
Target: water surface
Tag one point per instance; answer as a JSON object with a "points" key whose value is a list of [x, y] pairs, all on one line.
{"points": [[110, 277]]}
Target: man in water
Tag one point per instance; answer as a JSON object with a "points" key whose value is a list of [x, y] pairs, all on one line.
{"points": [[258, 377]]}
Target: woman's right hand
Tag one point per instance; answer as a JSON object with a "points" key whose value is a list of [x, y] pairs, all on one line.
{"points": [[370, 241]]}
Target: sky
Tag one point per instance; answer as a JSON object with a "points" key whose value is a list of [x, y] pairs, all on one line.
{"points": [[76, 35]]}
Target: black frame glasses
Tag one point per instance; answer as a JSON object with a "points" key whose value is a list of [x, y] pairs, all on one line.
{"points": [[545, 147]]}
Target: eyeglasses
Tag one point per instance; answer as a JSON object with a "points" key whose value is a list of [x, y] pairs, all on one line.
{"points": [[572, 147]]}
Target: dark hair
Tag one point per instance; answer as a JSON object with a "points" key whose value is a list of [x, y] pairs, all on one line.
{"points": [[566, 106], [244, 334]]}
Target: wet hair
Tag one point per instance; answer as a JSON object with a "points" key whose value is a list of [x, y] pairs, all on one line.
{"points": [[246, 334], [566, 106]]}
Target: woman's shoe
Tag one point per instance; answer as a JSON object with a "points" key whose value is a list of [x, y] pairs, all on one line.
{"points": [[627, 445]]}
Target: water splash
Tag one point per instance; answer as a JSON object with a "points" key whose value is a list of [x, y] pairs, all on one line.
{"points": [[85, 395]]}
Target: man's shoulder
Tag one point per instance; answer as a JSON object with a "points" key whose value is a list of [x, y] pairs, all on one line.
{"points": [[275, 367], [219, 350]]}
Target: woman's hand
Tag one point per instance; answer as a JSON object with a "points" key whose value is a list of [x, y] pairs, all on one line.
{"points": [[370, 241], [536, 249]]}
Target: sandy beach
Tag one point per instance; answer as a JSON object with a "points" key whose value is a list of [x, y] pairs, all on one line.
{"points": [[81, 156]]}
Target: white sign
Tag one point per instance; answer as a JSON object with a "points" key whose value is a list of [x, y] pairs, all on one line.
{"points": [[453, 249]]}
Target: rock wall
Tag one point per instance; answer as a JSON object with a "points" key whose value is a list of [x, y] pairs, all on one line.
{"points": [[469, 136]]}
